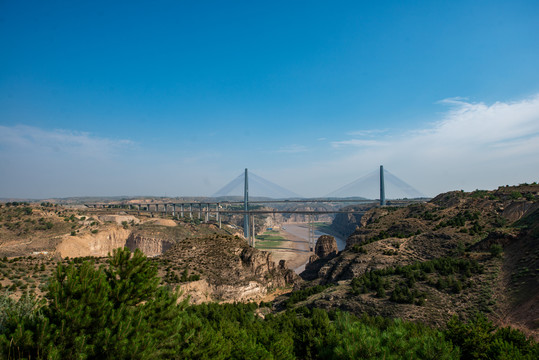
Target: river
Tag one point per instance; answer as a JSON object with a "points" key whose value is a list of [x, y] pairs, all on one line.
{"points": [[301, 230]]}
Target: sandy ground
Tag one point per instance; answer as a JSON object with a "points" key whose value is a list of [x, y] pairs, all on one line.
{"points": [[295, 250]]}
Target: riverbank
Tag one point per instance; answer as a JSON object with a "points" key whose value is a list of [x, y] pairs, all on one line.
{"points": [[295, 246], [293, 249]]}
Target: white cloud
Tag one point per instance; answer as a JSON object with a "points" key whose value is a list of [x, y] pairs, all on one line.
{"points": [[472, 145], [367, 133], [357, 142], [30, 139]]}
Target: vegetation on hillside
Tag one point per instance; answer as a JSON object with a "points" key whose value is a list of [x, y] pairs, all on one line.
{"points": [[120, 311]]}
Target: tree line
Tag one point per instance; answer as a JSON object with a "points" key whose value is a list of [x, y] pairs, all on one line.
{"points": [[121, 311]]}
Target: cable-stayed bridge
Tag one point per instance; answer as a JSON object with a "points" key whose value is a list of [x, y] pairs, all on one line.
{"points": [[368, 186], [257, 186], [275, 194]]}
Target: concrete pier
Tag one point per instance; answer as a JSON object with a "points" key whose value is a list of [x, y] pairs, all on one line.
{"points": [[253, 233], [246, 206], [218, 215]]}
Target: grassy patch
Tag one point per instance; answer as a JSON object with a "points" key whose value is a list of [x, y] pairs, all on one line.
{"points": [[269, 239]]}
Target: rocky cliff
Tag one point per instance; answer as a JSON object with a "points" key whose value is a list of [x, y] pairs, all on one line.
{"points": [[230, 270], [88, 244], [150, 246], [325, 245]]}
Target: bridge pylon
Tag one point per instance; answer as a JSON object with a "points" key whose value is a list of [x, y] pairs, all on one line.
{"points": [[246, 206], [382, 189]]}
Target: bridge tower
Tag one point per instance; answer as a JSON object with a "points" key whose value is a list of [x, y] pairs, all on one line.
{"points": [[382, 190], [246, 207]]}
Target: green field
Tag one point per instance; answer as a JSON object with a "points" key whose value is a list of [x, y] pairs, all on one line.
{"points": [[269, 239]]}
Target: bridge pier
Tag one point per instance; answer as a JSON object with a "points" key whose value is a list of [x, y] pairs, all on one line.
{"points": [[191, 211], [207, 217], [218, 215], [173, 210], [312, 239], [253, 234], [246, 206], [181, 210]]}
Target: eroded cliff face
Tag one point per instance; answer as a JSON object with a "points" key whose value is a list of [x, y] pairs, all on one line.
{"points": [[148, 245], [517, 210], [201, 291], [110, 238], [100, 244]]}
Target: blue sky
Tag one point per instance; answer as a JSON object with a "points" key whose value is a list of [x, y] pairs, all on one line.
{"points": [[178, 97]]}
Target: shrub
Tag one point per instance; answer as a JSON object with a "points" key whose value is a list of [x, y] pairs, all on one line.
{"points": [[357, 248], [515, 195], [479, 339], [496, 250], [114, 312]]}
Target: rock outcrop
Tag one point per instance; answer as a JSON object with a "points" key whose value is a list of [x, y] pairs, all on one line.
{"points": [[231, 270], [325, 245], [149, 246]]}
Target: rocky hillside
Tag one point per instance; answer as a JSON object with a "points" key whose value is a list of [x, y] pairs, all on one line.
{"points": [[207, 263], [458, 254]]}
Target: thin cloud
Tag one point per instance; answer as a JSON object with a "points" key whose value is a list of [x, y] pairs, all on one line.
{"points": [[472, 145], [367, 133], [357, 143], [30, 139]]}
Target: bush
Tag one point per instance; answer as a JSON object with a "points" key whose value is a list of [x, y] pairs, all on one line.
{"points": [[496, 250], [479, 339], [304, 294], [357, 248], [515, 195], [114, 312]]}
